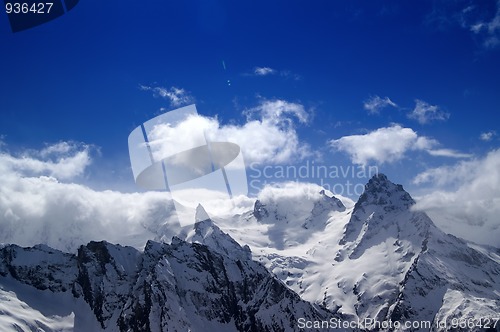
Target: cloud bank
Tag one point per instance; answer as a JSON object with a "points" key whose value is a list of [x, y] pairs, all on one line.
{"points": [[464, 199], [35, 207], [40, 209], [64, 160]]}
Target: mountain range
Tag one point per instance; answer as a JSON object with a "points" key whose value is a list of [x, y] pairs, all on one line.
{"points": [[318, 262]]}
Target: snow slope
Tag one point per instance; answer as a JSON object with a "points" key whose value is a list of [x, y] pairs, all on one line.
{"points": [[378, 259], [169, 287]]}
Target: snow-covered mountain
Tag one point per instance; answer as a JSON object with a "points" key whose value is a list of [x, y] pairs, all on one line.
{"points": [[168, 287], [290, 259], [379, 260]]}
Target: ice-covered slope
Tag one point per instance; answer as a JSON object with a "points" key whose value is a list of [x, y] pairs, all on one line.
{"points": [[169, 287], [378, 259]]}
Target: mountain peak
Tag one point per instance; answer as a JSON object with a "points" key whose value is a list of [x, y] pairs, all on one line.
{"points": [[381, 191], [208, 233], [330, 202], [201, 214]]}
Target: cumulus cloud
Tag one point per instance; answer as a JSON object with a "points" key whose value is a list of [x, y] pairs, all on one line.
{"points": [[263, 71], [425, 113], [389, 144], [464, 199], [374, 104], [487, 136], [64, 161], [268, 136], [384, 145], [176, 96]]}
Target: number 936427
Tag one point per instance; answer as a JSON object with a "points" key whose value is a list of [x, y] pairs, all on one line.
{"points": [[28, 8]]}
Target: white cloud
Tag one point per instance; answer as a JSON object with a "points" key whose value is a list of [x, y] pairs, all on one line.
{"points": [[267, 71], [464, 198], [449, 153], [374, 104], [268, 136], [384, 145], [389, 144], [425, 112], [487, 136], [264, 71], [294, 200], [64, 161], [66, 215], [277, 109], [176, 96], [39, 209]]}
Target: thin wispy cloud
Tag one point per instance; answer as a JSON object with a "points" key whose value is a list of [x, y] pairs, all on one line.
{"points": [[481, 19], [268, 71], [449, 153], [489, 30], [264, 71], [374, 104], [425, 113], [289, 75], [176, 96], [487, 136]]}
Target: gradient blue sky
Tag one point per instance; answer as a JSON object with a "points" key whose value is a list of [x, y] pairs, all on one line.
{"points": [[78, 77]]}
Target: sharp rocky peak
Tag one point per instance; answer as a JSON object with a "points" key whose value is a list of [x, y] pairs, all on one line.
{"points": [[208, 233], [201, 214], [382, 192], [383, 212], [327, 202]]}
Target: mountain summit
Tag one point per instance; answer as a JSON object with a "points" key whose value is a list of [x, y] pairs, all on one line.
{"points": [[382, 192]]}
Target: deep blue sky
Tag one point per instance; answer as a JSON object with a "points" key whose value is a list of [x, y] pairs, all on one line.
{"points": [[78, 77]]}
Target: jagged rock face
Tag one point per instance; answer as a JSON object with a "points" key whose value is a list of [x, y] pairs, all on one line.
{"points": [[383, 193], [449, 281], [40, 266], [177, 287], [105, 274], [259, 211]]}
